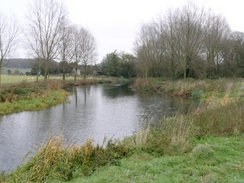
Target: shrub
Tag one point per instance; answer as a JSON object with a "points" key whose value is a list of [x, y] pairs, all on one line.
{"points": [[196, 94], [219, 118], [202, 151], [143, 84]]}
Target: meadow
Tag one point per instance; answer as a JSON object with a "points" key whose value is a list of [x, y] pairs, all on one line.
{"points": [[6, 79], [16, 78]]}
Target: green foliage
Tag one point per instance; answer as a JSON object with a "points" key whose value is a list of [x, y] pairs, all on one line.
{"points": [[119, 65], [197, 94]]}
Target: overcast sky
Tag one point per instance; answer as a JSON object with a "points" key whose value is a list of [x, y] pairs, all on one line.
{"points": [[115, 23]]}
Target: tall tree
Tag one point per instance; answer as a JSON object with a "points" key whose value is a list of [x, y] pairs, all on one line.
{"points": [[127, 65], [111, 64], [9, 32], [84, 49], [146, 49], [166, 30], [45, 18], [65, 47], [237, 51], [217, 32], [190, 37], [88, 49]]}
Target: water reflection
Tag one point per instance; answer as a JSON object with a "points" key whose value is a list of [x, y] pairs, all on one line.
{"points": [[93, 111]]}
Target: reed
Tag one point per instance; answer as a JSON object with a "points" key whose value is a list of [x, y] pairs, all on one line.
{"points": [[55, 160]]}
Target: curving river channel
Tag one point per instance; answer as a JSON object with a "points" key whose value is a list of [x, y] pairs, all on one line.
{"points": [[93, 111]]}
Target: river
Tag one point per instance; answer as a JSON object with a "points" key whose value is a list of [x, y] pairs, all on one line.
{"points": [[93, 111]]}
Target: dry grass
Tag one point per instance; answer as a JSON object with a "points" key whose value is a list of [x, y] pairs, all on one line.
{"points": [[55, 160], [139, 140]]}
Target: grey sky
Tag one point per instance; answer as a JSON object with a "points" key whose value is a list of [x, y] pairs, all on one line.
{"points": [[115, 23]]}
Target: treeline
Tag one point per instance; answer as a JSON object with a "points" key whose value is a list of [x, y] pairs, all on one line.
{"points": [[18, 63], [185, 42], [189, 42]]}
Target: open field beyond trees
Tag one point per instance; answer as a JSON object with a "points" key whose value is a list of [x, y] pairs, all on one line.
{"points": [[206, 145]]}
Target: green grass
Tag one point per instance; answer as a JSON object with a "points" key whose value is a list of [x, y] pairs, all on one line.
{"points": [[16, 79], [7, 79], [52, 98], [22, 96], [222, 163]]}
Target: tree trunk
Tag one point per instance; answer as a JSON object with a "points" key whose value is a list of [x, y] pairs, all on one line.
{"points": [[84, 75], [1, 67]]}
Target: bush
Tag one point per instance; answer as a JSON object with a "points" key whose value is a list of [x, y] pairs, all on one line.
{"points": [[197, 94], [202, 151]]}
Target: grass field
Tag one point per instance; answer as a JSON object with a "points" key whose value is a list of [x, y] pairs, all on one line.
{"points": [[18, 78], [7, 79]]}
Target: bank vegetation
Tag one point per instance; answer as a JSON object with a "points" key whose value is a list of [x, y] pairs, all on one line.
{"points": [[204, 145], [29, 95]]}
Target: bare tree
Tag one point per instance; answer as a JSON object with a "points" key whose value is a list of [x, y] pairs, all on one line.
{"points": [[217, 32], [65, 46], [186, 42], [168, 38], [9, 32], [190, 36], [146, 48], [45, 19], [76, 37], [84, 49], [88, 49], [237, 52]]}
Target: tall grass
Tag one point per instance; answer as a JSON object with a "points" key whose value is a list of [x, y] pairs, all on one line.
{"points": [[55, 160]]}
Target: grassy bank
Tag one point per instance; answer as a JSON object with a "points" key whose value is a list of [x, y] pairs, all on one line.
{"points": [[22, 93], [191, 88], [212, 159], [26, 96], [206, 145]]}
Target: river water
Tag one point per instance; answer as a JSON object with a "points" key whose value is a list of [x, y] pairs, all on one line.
{"points": [[93, 111]]}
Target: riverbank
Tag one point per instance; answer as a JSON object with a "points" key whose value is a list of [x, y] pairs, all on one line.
{"points": [[191, 88], [212, 159], [24, 95], [28, 96], [203, 146]]}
